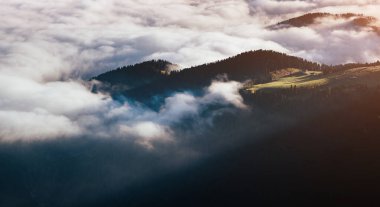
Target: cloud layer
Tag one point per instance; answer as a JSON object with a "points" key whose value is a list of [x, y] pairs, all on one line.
{"points": [[48, 49], [53, 41]]}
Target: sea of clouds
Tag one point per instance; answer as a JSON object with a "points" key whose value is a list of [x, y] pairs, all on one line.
{"points": [[49, 48]]}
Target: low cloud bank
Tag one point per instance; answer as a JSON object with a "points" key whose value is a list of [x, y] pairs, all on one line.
{"points": [[68, 109], [48, 49]]}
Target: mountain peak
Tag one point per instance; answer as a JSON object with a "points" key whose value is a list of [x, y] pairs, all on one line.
{"points": [[138, 74], [155, 66]]}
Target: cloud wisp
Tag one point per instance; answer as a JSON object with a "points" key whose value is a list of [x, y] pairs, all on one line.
{"points": [[67, 109]]}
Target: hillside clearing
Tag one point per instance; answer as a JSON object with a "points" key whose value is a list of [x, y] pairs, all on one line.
{"points": [[368, 76]]}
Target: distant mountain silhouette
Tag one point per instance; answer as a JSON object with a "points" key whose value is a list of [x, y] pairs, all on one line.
{"points": [[355, 20]]}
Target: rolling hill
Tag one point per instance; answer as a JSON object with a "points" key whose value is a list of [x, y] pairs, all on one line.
{"points": [[258, 69], [145, 80], [368, 76]]}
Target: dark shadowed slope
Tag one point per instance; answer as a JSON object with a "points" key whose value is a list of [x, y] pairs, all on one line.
{"points": [[330, 158]]}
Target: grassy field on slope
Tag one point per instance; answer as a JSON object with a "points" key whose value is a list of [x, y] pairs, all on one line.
{"points": [[287, 78]]}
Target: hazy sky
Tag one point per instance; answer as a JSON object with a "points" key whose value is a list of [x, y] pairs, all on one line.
{"points": [[48, 46]]}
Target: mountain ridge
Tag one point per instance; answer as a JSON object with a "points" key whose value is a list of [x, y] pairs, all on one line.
{"points": [[252, 65], [257, 67], [353, 19], [248, 59]]}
